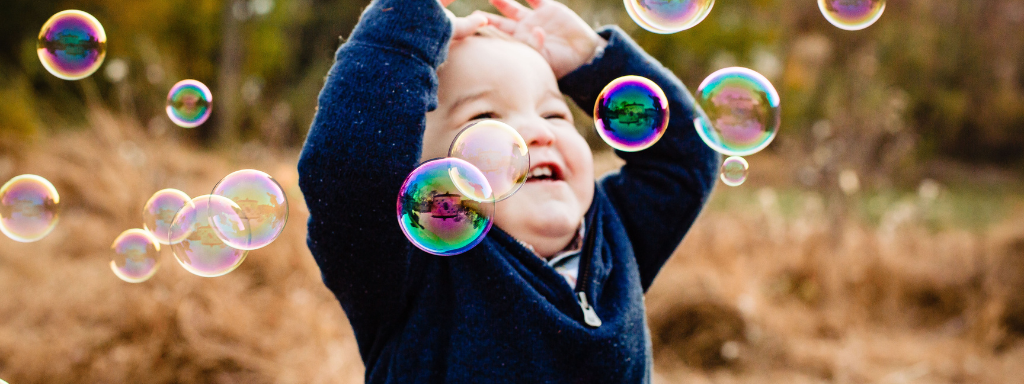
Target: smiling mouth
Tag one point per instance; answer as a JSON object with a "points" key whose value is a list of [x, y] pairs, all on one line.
{"points": [[544, 173]]}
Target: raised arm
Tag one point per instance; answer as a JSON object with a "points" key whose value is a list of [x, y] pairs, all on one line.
{"points": [[364, 141], [661, 190]]}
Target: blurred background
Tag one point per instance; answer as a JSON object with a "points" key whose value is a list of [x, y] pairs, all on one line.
{"points": [[878, 239]]}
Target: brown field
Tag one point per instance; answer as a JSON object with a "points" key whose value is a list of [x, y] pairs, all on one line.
{"points": [[772, 289]]}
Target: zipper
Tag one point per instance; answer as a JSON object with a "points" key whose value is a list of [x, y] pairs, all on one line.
{"points": [[589, 314]]}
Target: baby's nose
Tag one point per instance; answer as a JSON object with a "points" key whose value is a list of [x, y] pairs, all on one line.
{"points": [[536, 132]]}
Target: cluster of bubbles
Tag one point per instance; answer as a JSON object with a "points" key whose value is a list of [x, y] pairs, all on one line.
{"points": [[739, 115], [72, 45], [29, 208], [209, 235], [671, 16], [631, 113], [446, 206]]}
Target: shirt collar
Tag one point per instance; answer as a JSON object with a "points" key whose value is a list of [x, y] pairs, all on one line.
{"points": [[574, 246]]}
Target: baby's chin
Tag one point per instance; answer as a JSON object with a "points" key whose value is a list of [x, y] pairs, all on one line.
{"points": [[540, 210]]}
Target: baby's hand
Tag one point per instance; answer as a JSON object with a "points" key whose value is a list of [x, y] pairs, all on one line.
{"points": [[464, 26], [554, 30]]}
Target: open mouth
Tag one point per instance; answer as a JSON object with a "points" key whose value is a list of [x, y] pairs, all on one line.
{"points": [[544, 172]]}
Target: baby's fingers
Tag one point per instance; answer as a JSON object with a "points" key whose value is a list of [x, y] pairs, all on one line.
{"points": [[511, 9], [467, 26], [502, 23]]}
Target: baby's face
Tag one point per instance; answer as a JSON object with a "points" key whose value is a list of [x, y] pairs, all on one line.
{"points": [[489, 78]]}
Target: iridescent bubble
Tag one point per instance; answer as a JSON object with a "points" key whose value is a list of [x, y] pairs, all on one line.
{"points": [[72, 45], [739, 113], [435, 216], [159, 212], [189, 103], [264, 205], [734, 171], [136, 256], [852, 15], [196, 245], [639, 21], [631, 113], [668, 16], [29, 206], [498, 151]]}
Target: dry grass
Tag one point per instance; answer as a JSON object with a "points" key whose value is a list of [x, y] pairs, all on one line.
{"points": [[752, 296]]}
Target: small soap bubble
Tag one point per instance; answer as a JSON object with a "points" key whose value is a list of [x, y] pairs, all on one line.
{"points": [[435, 216], [159, 212], [263, 202], [136, 256], [189, 103], [631, 113], [668, 16], [734, 171], [852, 15], [498, 151], [29, 208], [72, 45], [196, 245], [739, 113]]}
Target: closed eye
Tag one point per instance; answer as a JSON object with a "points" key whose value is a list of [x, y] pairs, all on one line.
{"points": [[483, 116]]}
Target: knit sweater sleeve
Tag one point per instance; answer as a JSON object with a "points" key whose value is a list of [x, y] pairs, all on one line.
{"points": [[364, 140], [661, 190]]}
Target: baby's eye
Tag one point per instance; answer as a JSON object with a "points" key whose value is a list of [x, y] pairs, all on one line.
{"points": [[557, 116], [483, 116]]}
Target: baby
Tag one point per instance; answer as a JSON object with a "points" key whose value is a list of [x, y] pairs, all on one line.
{"points": [[554, 293]]}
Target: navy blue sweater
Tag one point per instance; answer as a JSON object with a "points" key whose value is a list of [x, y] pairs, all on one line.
{"points": [[497, 313]]}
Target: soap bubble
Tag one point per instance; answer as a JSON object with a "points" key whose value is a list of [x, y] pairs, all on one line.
{"points": [[668, 16], [29, 206], [631, 113], [189, 103], [159, 212], [739, 113], [498, 151], [136, 256], [72, 45], [639, 21], [734, 171], [852, 15], [196, 245], [264, 205], [435, 216]]}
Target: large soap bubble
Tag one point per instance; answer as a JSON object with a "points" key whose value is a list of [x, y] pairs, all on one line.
{"points": [[29, 208], [72, 45], [196, 245], [136, 256], [631, 113], [159, 212], [739, 114], [668, 16], [435, 216], [498, 151], [263, 202], [852, 15]]}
